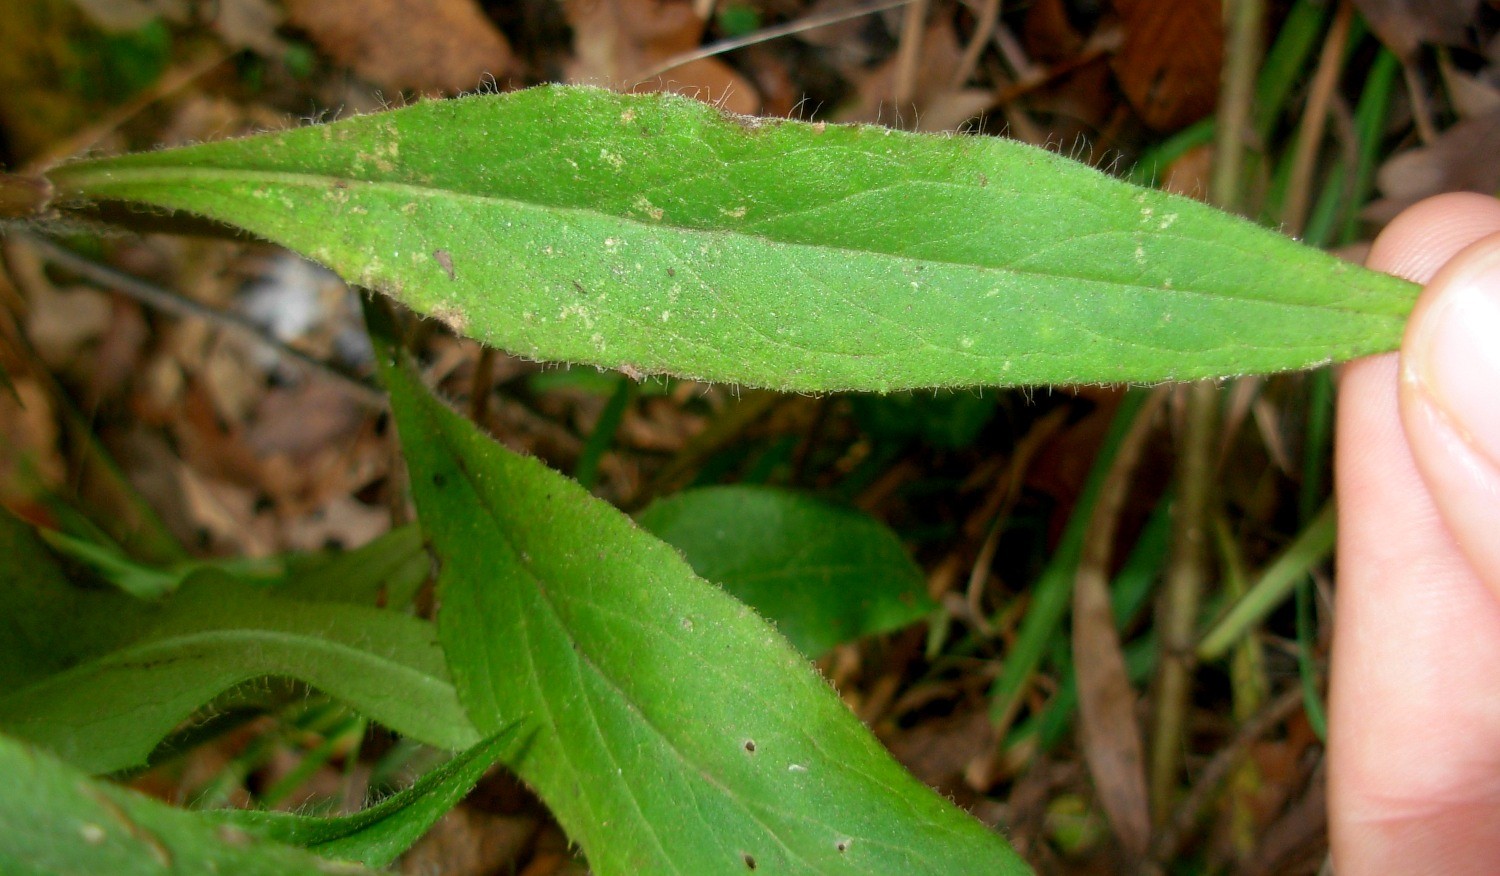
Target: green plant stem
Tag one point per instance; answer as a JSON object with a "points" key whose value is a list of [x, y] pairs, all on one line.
{"points": [[1183, 591], [1244, 22], [1188, 569], [1275, 583]]}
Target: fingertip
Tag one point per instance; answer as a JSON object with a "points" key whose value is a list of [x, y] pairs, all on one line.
{"points": [[1430, 233], [1450, 398]]}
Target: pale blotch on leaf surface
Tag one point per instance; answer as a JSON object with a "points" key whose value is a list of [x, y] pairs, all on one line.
{"points": [[451, 316]]}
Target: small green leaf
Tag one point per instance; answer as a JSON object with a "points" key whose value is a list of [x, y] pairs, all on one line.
{"points": [[657, 234], [377, 834], [387, 571], [677, 732], [821, 573], [58, 822], [108, 712]]}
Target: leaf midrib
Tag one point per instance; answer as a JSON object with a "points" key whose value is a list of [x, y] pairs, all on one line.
{"points": [[81, 178]]}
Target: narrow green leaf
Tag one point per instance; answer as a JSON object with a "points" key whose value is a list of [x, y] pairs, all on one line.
{"points": [[657, 234], [1052, 593], [823, 574], [57, 822], [677, 732], [107, 713], [387, 571], [377, 834]]}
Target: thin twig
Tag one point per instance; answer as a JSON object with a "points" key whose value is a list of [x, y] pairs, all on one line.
{"points": [[909, 57], [479, 389], [1315, 120], [1421, 107], [170, 302], [801, 25], [80, 141], [984, 28]]}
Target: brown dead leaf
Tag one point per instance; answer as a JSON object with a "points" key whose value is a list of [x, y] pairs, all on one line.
{"points": [[29, 440], [1112, 744], [299, 422], [467, 842], [419, 45], [1472, 95], [1405, 24], [939, 750], [249, 24], [1168, 64], [61, 322], [615, 41], [1049, 36], [1462, 159]]}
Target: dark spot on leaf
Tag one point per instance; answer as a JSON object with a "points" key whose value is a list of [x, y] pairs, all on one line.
{"points": [[749, 862], [671, 272], [750, 745], [842, 846], [984, 180], [579, 286], [438, 480], [445, 261]]}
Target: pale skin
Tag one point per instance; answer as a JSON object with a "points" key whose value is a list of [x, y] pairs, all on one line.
{"points": [[1414, 731]]}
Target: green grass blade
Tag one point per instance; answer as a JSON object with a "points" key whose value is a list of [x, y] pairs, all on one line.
{"points": [[656, 234], [1275, 583], [1053, 591], [677, 732]]}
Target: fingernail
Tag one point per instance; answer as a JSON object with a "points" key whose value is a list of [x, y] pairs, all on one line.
{"points": [[1453, 354]]}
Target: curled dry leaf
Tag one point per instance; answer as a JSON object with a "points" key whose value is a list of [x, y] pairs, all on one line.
{"points": [[1461, 160], [1405, 24]]}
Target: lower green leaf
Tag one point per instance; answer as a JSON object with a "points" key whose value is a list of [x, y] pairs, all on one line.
{"points": [[107, 713], [823, 574], [59, 823], [677, 732], [377, 834]]}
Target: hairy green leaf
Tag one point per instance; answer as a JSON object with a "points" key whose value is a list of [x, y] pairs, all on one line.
{"points": [[377, 834], [58, 822], [108, 712], [823, 574], [677, 732], [657, 234]]}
